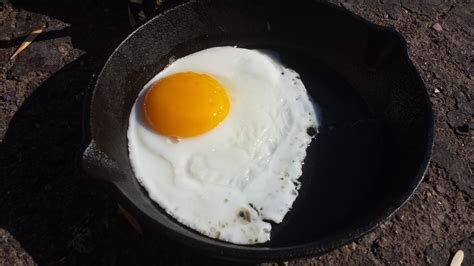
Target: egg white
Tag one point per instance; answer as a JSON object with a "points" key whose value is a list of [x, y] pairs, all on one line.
{"points": [[226, 182]]}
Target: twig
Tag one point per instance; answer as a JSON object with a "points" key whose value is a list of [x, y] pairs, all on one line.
{"points": [[27, 41]]}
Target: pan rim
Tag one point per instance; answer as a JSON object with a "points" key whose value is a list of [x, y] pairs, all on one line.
{"points": [[251, 253]]}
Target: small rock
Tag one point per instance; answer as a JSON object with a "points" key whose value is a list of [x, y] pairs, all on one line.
{"points": [[353, 246], [440, 189], [392, 8], [469, 71], [428, 8], [401, 217], [441, 217], [381, 242], [441, 153], [454, 118], [437, 27], [368, 239], [458, 121], [460, 173], [462, 102], [436, 91], [347, 6]]}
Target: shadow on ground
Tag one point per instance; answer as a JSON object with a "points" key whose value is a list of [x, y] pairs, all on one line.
{"points": [[59, 215]]}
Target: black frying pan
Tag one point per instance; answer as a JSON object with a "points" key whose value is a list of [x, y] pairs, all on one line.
{"points": [[369, 156]]}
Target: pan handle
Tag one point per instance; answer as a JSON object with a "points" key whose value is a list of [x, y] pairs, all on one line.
{"points": [[98, 164]]}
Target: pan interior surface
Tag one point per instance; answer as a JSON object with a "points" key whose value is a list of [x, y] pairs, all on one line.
{"points": [[374, 138]]}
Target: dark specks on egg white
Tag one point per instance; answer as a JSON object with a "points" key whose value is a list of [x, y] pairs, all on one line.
{"points": [[258, 210], [253, 240], [244, 215], [311, 131]]}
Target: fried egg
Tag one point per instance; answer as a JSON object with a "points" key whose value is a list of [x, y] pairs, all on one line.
{"points": [[218, 139]]}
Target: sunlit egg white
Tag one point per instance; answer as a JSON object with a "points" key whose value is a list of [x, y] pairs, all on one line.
{"points": [[222, 157]]}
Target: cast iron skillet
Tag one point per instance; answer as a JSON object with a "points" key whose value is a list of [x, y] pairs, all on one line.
{"points": [[377, 126]]}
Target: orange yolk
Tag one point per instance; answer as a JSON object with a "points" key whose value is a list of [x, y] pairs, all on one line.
{"points": [[185, 105]]}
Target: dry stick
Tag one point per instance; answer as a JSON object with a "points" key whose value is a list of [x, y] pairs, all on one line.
{"points": [[27, 41], [458, 258]]}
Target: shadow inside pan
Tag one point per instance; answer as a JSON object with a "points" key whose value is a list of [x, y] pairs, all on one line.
{"points": [[342, 162]]}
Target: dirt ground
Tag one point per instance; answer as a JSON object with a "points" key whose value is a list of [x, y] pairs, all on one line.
{"points": [[50, 214]]}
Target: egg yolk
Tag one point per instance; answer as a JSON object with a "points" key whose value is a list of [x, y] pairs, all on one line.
{"points": [[185, 105]]}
